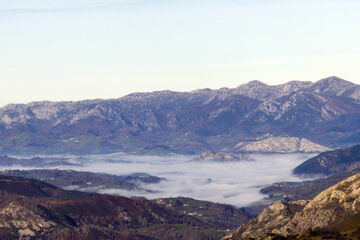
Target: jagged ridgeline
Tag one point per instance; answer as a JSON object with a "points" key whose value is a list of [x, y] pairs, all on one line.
{"points": [[318, 116]]}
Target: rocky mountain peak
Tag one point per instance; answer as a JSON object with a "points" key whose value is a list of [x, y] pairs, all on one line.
{"points": [[261, 91], [335, 81], [294, 86], [335, 86], [254, 83]]}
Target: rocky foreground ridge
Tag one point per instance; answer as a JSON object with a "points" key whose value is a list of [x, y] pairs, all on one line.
{"points": [[326, 113], [333, 209]]}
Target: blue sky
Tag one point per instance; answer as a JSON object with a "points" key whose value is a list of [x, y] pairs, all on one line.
{"points": [[80, 49]]}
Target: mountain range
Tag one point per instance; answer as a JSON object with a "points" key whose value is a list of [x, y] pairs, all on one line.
{"points": [[324, 114]]}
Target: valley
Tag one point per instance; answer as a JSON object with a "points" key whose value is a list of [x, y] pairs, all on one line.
{"points": [[205, 164], [323, 207]]}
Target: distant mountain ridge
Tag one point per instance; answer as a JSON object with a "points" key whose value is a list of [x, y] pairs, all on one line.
{"points": [[326, 112]]}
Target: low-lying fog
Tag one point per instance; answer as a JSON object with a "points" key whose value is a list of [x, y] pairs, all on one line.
{"points": [[236, 183]]}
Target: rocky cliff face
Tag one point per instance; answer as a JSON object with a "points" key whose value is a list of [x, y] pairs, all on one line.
{"points": [[332, 206], [325, 112]]}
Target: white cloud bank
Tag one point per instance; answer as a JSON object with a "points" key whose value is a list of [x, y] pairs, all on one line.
{"points": [[236, 183]]}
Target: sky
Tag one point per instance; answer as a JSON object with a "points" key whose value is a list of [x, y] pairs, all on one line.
{"points": [[84, 49]]}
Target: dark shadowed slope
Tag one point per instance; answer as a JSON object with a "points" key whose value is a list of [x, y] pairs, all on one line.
{"points": [[84, 180], [37, 210], [221, 215]]}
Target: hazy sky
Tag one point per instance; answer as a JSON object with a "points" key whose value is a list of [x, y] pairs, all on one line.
{"points": [[79, 49]]}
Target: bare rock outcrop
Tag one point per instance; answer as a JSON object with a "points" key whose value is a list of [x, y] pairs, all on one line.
{"points": [[281, 145], [27, 221]]}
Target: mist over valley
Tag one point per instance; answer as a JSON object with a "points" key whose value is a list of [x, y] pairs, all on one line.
{"points": [[237, 183]]}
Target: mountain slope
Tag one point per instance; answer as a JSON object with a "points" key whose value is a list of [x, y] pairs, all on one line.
{"points": [[330, 162]]}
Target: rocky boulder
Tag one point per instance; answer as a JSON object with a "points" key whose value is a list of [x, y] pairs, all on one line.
{"points": [[224, 157]]}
